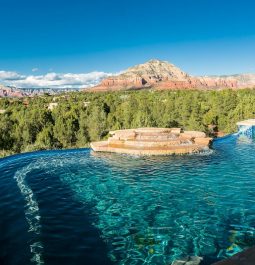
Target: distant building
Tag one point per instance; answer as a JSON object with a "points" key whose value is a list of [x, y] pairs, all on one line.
{"points": [[52, 105], [57, 98], [86, 103], [124, 97], [26, 103]]}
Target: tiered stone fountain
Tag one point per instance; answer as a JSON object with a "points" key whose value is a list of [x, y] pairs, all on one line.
{"points": [[153, 141]]}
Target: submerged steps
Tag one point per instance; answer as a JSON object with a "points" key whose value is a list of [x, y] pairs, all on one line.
{"points": [[153, 141]]}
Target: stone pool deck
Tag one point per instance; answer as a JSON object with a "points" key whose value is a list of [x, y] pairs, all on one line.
{"points": [[153, 141], [246, 257], [250, 122]]}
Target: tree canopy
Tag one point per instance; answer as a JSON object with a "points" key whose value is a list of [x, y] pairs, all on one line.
{"points": [[28, 124]]}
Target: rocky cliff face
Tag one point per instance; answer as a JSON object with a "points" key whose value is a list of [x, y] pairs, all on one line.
{"points": [[155, 74], [243, 80], [145, 75], [10, 92], [163, 75]]}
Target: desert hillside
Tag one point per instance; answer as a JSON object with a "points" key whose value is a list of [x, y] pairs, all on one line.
{"points": [[163, 75]]}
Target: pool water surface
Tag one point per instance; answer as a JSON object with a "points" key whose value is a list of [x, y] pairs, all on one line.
{"points": [[80, 207]]}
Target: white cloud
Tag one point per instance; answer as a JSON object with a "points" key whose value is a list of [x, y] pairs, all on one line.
{"points": [[52, 80], [12, 76], [35, 69]]}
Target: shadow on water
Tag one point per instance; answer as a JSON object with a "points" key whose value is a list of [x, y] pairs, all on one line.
{"points": [[61, 226], [65, 240], [12, 221]]}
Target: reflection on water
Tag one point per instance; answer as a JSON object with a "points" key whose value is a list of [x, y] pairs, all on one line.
{"points": [[154, 210]]}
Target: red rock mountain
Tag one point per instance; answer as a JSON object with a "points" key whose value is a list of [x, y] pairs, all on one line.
{"points": [[10, 92], [162, 75]]}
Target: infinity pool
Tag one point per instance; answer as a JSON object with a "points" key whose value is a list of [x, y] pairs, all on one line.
{"points": [[78, 207]]}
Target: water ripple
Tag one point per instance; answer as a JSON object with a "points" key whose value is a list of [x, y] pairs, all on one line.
{"points": [[152, 210]]}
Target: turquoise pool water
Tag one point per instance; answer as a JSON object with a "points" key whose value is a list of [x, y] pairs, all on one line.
{"points": [[78, 207]]}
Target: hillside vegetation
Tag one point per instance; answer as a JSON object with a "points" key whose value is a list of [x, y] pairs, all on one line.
{"points": [[78, 118]]}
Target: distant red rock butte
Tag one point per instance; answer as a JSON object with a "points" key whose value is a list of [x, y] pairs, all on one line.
{"points": [[161, 75], [10, 92]]}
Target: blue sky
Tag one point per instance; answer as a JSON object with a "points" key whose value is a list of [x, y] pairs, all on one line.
{"points": [[79, 36]]}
